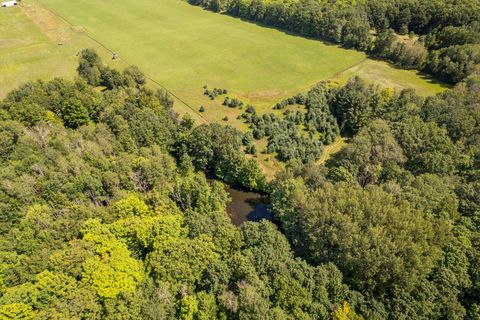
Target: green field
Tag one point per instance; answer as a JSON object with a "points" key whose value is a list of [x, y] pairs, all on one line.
{"points": [[182, 47], [34, 44]]}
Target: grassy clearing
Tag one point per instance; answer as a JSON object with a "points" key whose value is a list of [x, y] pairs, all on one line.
{"points": [[182, 47], [388, 76]]}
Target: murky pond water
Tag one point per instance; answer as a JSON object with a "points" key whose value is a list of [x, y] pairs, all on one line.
{"points": [[247, 206]]}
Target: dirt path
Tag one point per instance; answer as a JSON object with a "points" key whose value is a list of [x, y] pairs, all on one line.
{"points": [[331, 149]]}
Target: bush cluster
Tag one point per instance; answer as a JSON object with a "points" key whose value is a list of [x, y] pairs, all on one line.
{"points": [[213, 93]]}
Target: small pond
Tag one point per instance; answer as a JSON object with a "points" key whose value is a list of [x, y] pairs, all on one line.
{"points": [[247, 206]]}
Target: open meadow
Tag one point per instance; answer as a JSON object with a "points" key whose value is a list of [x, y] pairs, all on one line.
{"points": [[182, 47]]}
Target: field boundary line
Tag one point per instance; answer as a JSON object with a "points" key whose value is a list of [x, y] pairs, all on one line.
{"points": [[129, 64], [345, 70]]}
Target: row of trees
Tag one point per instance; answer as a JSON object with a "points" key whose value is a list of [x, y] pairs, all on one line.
{"points": [[91, 69], [448, 30]]}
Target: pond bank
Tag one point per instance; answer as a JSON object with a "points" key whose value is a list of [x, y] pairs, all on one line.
{"points": [[247, 206]]}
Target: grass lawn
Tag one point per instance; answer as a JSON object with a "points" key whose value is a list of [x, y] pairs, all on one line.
{"points": [[184, 47], [331, 149]]}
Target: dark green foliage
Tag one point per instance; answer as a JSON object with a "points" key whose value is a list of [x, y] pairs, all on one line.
{"points": [[454, 35], [201, 109], [91, 69], [454, 63], [356, 104], [410, 54], [215, 92], [133, 77], [216, 149], [247, 138], [319, 118], [251, 149], [373, 156], [411, 160], [321, 221], [232, 103], [427, 147], [346, 241], [284, 137], [298, 99]]}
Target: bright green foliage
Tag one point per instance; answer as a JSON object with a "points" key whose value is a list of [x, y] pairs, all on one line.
{"points": [[345, 312], [16, 311], [183, 261], [148, 233], [112, 270], [207, 306], [131, 206], [250, 175], [188, 308]]}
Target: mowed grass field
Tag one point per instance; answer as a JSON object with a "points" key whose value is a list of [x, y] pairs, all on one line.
{"points": [[184, 47]]}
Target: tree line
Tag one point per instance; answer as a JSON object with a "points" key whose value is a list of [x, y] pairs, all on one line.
{"points": [[443, 38]]}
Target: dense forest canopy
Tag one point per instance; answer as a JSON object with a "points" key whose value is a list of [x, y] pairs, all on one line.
{"points": [[107, 212]]}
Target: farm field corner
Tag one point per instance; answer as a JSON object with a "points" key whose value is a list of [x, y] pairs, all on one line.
{"points": [[35, 44]]}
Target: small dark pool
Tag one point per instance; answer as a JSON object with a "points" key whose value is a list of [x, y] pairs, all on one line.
{"points": [[247, 206]]}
